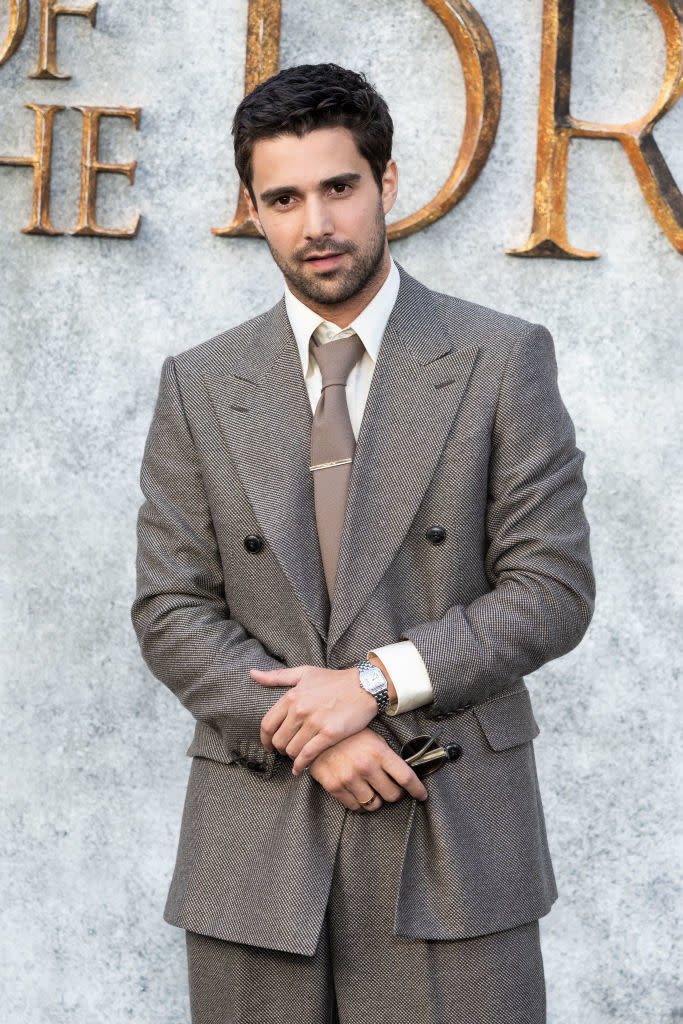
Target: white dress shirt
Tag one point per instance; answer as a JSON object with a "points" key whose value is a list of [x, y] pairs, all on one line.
{"points": [[402, 661]]}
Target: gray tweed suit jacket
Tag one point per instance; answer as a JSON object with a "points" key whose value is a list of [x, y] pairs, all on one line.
{"points": [[464, 429]]}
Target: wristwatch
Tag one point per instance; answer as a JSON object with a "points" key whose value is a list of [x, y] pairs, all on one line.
{"points": [[374, 681]]}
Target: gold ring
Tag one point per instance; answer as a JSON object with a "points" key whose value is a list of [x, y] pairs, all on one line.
{"points": [[364, 803]]}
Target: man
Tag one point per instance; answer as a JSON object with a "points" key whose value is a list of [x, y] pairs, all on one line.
{"points": [[363, 517]]}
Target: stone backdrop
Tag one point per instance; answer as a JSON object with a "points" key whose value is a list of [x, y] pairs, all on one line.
{"points": [[93, 747]]}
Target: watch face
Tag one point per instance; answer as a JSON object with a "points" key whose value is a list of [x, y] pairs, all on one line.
{"points": [[379, 684], [373, 680]]}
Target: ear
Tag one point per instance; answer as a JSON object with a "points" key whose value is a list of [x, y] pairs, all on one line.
{"points": [[252, 210], [389, 186]]}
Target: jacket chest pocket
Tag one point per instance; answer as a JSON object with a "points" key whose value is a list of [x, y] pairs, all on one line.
{"points": [[507, 720]]}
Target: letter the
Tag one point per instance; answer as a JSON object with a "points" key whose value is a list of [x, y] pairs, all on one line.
{"points": [[41, 164], [47, 59], [91, 167], [556, 127]]}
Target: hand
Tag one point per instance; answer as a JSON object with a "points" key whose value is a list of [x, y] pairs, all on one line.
{"points": [[324, 706], [359, 764]]}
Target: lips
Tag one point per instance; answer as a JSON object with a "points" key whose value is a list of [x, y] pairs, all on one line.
{"points": [[325, 260]]}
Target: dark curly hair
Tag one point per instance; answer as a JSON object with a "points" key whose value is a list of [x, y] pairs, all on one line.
{"points": [[299, 99]]}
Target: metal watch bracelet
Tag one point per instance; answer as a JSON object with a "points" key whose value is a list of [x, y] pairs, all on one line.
{"points": [[374, 681]]}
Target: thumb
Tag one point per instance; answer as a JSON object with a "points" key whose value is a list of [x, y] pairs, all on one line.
{"points": [[277, 676]]}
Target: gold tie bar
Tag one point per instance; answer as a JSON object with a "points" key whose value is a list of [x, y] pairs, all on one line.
{"points": [[326, 465]]}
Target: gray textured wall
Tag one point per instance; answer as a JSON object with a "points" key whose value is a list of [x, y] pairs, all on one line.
{"points": [[92, 746]]}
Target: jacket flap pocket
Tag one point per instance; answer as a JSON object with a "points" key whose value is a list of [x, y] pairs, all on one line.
{"points": [[507, 720], [208, 742]]}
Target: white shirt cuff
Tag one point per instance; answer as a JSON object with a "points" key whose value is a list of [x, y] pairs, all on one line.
{"points": [[408, 673]]}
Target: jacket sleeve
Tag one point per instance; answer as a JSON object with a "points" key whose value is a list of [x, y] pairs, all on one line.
{"points": [[183, 624], [538, 558]]}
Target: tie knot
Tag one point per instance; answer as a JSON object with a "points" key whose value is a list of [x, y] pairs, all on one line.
{"points": [[336, 358]]}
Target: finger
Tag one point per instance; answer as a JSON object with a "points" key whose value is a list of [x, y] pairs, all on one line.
{"points": [[338, 791], [300, 739], [271, 722], [347, 798], [285, 734], [277, 676], [360, 789], [397, 768], [321, 741], [385, 786], [366, 793]]}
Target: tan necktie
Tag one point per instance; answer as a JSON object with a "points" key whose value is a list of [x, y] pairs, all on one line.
{"points": [[332, 441]]}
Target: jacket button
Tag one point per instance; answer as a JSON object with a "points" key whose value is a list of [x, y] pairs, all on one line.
{"points": [[436, 535], [253, 543]]}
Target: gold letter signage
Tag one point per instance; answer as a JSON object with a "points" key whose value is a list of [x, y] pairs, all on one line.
{"points": [[482, 81], [91, 166], [40, 162], [483, 91], [477, 54], [556, 127], [18, 18], [47, 61], [263, 60]]}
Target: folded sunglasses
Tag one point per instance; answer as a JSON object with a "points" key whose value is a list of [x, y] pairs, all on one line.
{"points": [[424, 755]]}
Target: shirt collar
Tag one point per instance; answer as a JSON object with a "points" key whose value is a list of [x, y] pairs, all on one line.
{"points": [[369, 325]]}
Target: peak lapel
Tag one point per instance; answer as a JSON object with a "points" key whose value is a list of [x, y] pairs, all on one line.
{"points": [[417, 387], [264, 411]]}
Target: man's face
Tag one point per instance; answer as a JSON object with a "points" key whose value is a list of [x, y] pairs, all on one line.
{"points": [[321, 213]]}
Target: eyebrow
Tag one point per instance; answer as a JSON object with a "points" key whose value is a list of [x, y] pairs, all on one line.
{"points": [[337, 179]]}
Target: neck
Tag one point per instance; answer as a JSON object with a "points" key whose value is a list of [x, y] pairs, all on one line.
{"points": [[344, 313]]}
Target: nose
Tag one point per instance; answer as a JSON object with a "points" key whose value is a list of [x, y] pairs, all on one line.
{"points": [[318, 221]]}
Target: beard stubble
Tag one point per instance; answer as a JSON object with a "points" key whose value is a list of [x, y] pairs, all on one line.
{"points": [[336, 285]]}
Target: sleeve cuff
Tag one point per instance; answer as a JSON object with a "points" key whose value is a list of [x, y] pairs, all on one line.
{"points": [[408, 673]]}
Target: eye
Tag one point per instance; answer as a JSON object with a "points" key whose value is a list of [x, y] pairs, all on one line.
{"points": [[339, 188], [283, 201]]}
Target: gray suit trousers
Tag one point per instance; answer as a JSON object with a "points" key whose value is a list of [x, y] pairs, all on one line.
{"points": [[361, 972]]}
